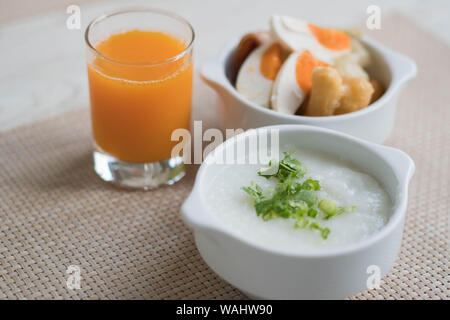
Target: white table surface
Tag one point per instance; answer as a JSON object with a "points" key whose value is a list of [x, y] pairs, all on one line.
{"points": [[42, 63]]}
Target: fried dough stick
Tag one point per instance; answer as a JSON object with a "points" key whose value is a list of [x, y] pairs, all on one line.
{"points": [[325, 92]]}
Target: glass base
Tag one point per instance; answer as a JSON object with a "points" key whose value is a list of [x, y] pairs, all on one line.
{"points": [[143, 176]]}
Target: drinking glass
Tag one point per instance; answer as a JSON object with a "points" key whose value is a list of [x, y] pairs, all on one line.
{"points": [[138, 101]]}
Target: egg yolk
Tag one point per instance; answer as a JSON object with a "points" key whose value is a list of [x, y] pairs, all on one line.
{"points": [[271, 61], [330, 38], [306, 63]]}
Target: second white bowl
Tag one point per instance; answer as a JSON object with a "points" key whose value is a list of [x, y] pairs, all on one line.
{"points": [[373, 123]]}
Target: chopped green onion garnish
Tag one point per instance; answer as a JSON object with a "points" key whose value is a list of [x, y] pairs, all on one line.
{"points": [[292, 198]]}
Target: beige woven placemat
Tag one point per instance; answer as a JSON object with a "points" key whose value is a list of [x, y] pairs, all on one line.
{"points": [[55, 212]]}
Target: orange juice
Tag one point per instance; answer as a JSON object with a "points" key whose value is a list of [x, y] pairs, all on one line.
{"points": [[140, 91]]}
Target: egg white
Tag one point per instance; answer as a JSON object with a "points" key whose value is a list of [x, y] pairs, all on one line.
{"points": [[287, 96], [294, 35], [250, 82]]}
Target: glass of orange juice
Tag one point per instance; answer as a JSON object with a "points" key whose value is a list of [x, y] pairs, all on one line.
{"points": [[139, 65]]}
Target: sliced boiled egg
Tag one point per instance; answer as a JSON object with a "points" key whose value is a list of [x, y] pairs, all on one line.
{"points": [[257, 73], [293, 81], [298, 35]]}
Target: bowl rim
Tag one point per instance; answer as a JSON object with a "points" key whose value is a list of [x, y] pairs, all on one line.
{"points": [[391, 58], [383, 152]]}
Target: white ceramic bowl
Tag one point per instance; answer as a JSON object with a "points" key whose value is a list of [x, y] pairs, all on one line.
{"points": [[373, 123], [267, 273]]}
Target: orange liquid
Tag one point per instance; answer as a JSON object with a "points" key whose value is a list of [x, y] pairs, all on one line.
{"points": [[134, 109]]}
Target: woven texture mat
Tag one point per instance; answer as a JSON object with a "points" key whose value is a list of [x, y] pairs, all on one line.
{"points": [[55, 212]]}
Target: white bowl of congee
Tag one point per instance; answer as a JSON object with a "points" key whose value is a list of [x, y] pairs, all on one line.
{"points": [[299, 212]]}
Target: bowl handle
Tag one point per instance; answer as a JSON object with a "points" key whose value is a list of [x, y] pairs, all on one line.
{"points": [[196, 217], [194, 213], [406, 68], [401, 162], [213, 74]]}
